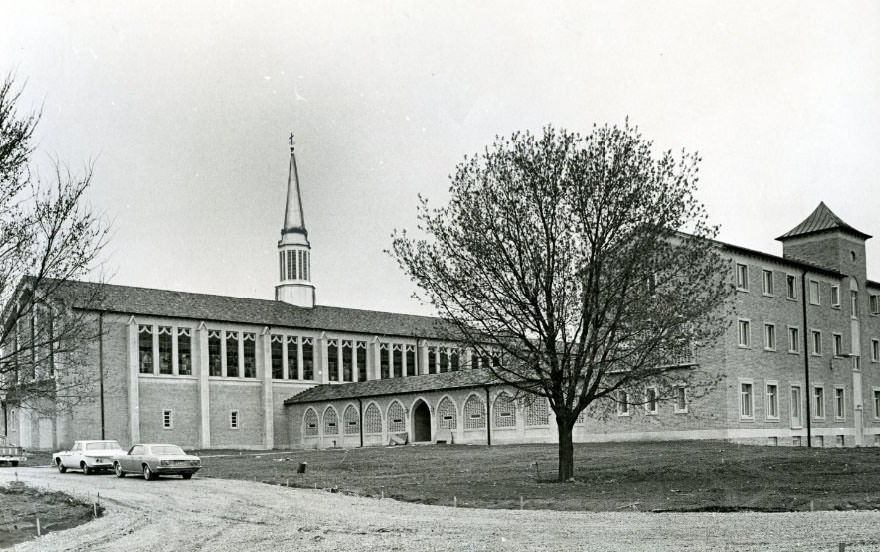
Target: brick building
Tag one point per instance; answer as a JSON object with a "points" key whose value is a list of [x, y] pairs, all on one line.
{"points": [[209, 371]]}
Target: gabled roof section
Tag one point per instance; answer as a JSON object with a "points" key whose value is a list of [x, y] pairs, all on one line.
{"points": [[395, 386], [822, 219], [264, 312]]}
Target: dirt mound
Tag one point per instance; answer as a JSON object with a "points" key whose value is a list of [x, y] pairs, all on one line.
{"points": [[22, 506]]}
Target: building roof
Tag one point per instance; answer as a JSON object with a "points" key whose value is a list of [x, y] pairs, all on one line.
{"points": [[266, 312], [822, 219], [395, 386]]}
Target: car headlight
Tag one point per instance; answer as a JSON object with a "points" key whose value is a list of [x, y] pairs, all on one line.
{"points": [[164, 462]]}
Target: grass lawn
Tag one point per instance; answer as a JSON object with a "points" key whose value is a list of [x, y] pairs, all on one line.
{"points": [[661, 476]]}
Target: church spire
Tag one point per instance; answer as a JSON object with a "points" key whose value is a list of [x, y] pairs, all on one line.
{"points": [[294, 250], [293, 214]]}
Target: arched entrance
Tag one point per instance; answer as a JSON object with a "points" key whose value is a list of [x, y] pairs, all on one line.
{"points": [[421, 422]]}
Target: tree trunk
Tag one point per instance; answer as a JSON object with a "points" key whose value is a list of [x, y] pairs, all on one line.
{"points": [[566, 452]]}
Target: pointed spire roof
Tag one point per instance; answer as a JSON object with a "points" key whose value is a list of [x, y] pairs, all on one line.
{"points": [[822, 219], [293, 213]]}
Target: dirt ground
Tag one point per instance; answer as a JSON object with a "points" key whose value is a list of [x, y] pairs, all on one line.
{"points": [[223, 515], [22, 506]]}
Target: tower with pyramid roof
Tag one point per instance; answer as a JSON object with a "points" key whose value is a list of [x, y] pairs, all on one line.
{"points": [[824, 239], [294, 263]]}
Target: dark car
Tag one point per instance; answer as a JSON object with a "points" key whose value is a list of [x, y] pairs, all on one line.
{"points": [[153, 460]]}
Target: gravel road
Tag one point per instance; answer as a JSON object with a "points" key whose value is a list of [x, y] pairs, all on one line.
{"points": [[224, 515]]}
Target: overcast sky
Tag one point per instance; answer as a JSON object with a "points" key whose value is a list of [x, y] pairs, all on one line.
{"points": [[185, 107]]}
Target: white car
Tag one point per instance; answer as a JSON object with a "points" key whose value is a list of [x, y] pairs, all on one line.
{"points": [[88, 456]]}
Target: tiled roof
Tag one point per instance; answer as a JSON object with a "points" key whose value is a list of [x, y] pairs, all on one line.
{"points": [[394, 386], [199, 306], [822, 219]]}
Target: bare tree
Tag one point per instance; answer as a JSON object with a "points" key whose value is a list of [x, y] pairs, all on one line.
{"points": [[48, 238], [585, 261]]}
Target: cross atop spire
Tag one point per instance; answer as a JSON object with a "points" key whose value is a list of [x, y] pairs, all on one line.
{"points": [[291, 141]]}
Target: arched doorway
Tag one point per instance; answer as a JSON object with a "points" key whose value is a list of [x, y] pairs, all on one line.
{"points": [[421, 422]]}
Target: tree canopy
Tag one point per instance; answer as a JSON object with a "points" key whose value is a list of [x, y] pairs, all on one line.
{"points": [[48, 237], [585, 261]]}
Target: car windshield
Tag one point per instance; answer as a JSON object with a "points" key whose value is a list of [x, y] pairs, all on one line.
{"points": [[166, 449], [103, 445]]}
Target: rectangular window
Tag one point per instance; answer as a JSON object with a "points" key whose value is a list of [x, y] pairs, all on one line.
{"points": [[410, 360], [745, 339], [818, 441], [839, 403], [854, 303], [875, 304], [795, 406], [167, 420], [165, 366], [232, 354], [397, 356], [233, 419], [767, 282], [277, 357], [215, 356], [742, 277], [281, 263], [769, 337], [796, 441], [837, 342], [651, 400], [746, 403], [453, 360], [790, 287], [814, 292], [250, 354], [875, 350], [622, 403], [432, 360], [794, 340], [818, 402], [184, 351], [308, 357], [817, 342], [772, 401], [145, 349], [361, 347], [835, 296], [333, 360], [877, 403], [293, 357], [384, 361], [681, 405], [444, 360], [347, 362], [840, 440]]}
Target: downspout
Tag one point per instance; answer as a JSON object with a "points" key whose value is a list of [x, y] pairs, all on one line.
{"points": [[807, 396], [101, 366], [361, 420], [488, 419]]}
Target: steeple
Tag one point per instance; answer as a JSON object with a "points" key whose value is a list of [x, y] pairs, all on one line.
{"points": [[822, 219], [293, 214], [294, 250]]}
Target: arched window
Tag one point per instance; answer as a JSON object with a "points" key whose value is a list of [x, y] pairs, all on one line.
{"points": [[372, 419], [352, 420], [504, 411], [535, 411], [396, 418], [331, 421], [446, 414], [310, 423], [474, 413]]}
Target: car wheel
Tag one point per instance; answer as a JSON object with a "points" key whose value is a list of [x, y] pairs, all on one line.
{"points": [[148, 473], [61, 468], [186, 475], [118, 469], [85, 468]]}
